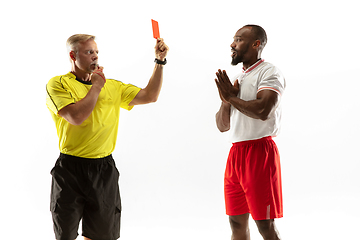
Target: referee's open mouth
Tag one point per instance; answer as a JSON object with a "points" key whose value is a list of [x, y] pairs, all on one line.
{"points": [[94, 65]]}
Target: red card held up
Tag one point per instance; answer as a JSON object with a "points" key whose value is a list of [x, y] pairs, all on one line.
{"points": [[155, 28]]}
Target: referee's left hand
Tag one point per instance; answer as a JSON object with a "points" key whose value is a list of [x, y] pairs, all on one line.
{"points": [[161, 49]]}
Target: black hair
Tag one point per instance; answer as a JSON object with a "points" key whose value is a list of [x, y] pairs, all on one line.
{"points": [[259, 34]]}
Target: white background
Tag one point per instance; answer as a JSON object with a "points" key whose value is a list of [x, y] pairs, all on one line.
{"points": [[170, 154]]}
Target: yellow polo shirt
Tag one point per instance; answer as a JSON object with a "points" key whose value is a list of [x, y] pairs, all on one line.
{"points": [[96, 136]]}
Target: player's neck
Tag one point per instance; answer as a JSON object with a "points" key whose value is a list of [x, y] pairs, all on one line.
{"points": [[248, 64], [252, 60]]}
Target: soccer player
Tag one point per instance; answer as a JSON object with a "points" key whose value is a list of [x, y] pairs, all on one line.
{"points": [[251, 112], [85, 106]]}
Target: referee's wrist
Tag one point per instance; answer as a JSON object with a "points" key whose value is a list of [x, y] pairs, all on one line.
{"points": [[160, 61]]}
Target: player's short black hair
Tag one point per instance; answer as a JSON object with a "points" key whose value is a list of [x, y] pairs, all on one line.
{"points": [[259, 33]]}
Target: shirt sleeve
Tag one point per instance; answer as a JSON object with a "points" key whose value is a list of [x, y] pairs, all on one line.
{"points": [[57, 96], [272, 79], [128, 93]]}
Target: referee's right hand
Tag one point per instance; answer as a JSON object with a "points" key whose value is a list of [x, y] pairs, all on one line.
{"points": [[98, 78]]}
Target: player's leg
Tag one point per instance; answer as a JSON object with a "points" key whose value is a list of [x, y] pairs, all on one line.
{"points": [[240, 227], [235, 201], [264, 191], [268, 229]]}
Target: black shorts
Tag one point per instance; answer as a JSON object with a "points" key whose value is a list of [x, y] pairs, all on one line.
{"points": [[85, 189]]}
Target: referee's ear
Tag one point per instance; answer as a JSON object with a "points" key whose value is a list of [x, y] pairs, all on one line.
{"points": [[72, 55]]}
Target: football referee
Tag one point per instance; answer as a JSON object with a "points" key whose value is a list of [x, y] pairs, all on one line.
{"points": [[85, 107]]}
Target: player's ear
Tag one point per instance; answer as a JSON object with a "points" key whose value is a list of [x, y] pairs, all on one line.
{"points": [[256, 44]]}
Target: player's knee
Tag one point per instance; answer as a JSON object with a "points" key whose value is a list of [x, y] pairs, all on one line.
{"points": [[267, 229], [239, 222]]}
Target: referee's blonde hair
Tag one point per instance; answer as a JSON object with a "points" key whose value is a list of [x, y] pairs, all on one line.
{"points": [[74, 40]]}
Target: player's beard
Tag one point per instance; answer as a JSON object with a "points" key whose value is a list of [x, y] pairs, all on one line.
{"points": [[236, 60], [239, 55]]}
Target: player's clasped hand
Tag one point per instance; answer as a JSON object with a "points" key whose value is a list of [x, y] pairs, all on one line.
{"points": [[161, 49], [98, 77], [225, 87]]}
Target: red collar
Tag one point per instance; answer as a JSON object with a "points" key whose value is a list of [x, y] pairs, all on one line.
{"points": [[253, 66]]}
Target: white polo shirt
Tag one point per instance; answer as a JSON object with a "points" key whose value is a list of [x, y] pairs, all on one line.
{"points": [[258, 77]]}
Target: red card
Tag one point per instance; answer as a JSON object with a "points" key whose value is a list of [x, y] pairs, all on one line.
{"points": [[155, 27]]}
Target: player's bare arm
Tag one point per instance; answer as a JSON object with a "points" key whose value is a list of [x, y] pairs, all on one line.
{"points": [[151, 92], [259, 108], [78, 112], [223, 117]]}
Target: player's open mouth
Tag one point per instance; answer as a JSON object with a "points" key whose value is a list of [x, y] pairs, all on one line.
{"points": [[233, 52]]}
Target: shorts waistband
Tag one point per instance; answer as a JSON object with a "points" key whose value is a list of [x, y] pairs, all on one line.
{"points": [[252, 141], [75, 158]]}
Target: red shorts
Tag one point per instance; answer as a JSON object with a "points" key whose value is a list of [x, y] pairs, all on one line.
{"points": [[253, 180]]}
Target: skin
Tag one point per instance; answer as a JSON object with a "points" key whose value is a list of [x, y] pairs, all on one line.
{"points": [[84, 67], [247, 50]]}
